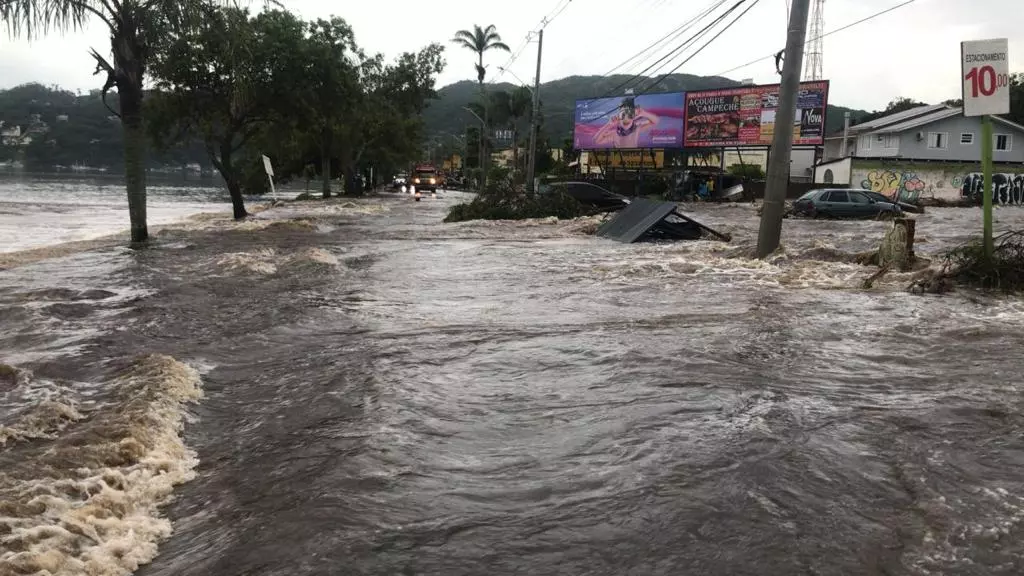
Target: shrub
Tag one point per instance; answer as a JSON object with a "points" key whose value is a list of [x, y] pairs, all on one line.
{"points": [[747, 171], [1004, 271], [504, 201]]}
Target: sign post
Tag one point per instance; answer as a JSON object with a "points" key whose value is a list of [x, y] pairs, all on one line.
{"points": [[269, 169], [985, 80]]}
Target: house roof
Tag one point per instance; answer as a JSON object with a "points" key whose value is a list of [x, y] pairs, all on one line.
{"points": [[903, 116], [1006, 122], [919, 121]]}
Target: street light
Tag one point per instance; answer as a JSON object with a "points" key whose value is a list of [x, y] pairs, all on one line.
{"points": [[475, 115], [482, 147], [525, 85]]}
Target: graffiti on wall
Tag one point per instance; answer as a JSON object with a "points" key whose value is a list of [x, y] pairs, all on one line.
{"points": [[897, 185], [1007, 189]]}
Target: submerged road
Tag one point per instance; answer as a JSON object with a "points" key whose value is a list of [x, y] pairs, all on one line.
{"points": [[385, 394]]}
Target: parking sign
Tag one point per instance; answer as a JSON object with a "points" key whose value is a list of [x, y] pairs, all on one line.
{"points": [[985, 71]]}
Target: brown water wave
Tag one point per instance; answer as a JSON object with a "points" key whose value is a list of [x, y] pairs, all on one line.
{"points": [[385, 394], [82, 480]]}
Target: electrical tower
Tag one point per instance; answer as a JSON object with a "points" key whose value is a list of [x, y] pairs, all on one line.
{"points": [[815, 44]]}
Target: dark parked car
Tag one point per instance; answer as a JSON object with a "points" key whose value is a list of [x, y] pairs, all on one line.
{"points": [[843, 203], [587, 194], [879, 197]]}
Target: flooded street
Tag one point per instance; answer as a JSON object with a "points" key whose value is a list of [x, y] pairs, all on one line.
{"points": [[357, 388]]}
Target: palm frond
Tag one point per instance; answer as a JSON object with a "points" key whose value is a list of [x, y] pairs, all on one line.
{"points": [[499, 46], [34, 18]]}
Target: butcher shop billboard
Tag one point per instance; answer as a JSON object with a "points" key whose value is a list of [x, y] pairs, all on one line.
{"points": [[745, 116]]}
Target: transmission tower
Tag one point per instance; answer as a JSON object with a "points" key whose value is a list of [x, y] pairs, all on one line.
{"points": [[815, 43]]}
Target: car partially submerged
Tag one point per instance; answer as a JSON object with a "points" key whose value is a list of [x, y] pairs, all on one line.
{"points": [[587, 194], [905, 206], [843, 203]]}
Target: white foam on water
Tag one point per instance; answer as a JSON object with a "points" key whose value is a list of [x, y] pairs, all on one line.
{"points": [[87, 503]]}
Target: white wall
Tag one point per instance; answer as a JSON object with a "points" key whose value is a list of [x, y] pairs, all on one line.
{"points": [[840, 169]]}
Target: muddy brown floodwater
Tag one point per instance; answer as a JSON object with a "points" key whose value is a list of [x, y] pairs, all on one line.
{"points": [[357, 388]]}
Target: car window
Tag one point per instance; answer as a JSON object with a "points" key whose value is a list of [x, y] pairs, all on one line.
{"points": [[808, 195], [836, 196], [858, 198]]}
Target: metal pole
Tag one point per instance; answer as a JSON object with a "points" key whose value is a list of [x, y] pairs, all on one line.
{"points": [[777, 182], [532, 166], [988, 189], [846, 133]]}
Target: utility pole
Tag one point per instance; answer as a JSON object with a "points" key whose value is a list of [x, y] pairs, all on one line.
{"points": [[534, 117], [846, 134], [770, 233]]}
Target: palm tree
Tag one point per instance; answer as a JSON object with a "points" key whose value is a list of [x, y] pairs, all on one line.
{"points": [[481, 40], [135, 26]]}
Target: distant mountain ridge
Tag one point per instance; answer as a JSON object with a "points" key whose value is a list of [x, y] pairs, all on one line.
{"points": [[446, 115]]}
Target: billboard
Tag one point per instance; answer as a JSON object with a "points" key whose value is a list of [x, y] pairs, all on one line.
{"points": [[650, 159], [644, 121], [745, 116]]}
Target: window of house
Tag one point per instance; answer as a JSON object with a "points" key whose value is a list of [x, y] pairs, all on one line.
{"points": [[892, 141], [939, 140], [1004, 142], [865, 142], [967, 138]]}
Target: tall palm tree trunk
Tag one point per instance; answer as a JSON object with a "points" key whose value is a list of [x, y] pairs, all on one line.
{"points": [[134, 159]]}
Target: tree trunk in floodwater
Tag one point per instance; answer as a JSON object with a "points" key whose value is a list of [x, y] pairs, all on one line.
{"points": [[226, 167], [351, 188], [897, 249], [134, 160], [325, 163]]}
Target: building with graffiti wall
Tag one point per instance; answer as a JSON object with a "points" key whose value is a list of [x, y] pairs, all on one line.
{"points": [[929, 152]]}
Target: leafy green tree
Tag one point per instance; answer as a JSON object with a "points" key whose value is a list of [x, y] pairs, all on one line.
{"points": [[134, 26], [1017, 98], [223, 83], [332, 89]]}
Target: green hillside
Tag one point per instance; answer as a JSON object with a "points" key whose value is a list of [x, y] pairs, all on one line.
{"points": [[65, 129], [447, 116]]}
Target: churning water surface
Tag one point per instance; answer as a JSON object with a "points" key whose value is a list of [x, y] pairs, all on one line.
{"points": [[357, 388]]}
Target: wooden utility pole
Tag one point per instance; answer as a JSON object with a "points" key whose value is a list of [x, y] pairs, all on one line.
{"points": [[770, 233], [534, 117]]}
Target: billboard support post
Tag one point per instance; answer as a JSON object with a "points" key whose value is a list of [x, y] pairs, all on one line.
{"points": [[534, 124], [776, 185]]}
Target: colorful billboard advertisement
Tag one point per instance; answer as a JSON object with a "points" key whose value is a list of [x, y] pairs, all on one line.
{"points": [[644, 121], [745, 116]]}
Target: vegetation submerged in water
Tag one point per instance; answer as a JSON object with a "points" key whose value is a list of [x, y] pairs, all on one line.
{"points": [[1004, 271], [504, 201]]}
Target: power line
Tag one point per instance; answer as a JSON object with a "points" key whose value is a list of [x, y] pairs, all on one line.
{"points": [[837, 30], [555, 12], [706, 44], [671, 35], [679, 48]]}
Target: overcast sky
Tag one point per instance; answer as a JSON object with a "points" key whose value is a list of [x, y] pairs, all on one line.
{"points": [[912, 52]]}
